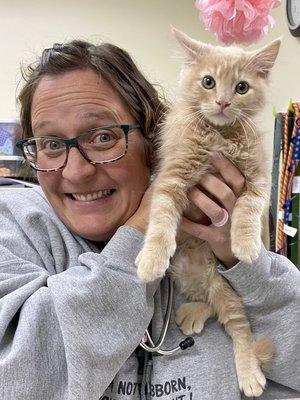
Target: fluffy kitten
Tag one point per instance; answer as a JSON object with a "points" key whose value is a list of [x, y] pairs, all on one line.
{"points": [[221, 90]]}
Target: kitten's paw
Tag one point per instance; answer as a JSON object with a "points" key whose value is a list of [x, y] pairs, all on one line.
{"points": [[251, 379], [190, 317], [246, 250], [154, 258], [151, 265]]}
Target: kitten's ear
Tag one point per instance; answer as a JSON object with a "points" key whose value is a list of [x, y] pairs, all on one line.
{"points": [[263, 60], [191, 46]]}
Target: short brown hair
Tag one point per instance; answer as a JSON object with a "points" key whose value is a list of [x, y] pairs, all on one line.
{"points": [[144, 102]]}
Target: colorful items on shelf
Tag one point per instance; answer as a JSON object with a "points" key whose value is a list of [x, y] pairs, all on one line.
{"points": [[285, 196], [10, 157], [6, 143]]}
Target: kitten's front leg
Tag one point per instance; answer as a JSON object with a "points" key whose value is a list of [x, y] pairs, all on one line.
{"points": [[167, 205], [246, 222]]}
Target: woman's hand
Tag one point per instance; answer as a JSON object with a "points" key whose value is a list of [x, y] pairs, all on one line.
{"points": [[139, 220], [215, 196]]}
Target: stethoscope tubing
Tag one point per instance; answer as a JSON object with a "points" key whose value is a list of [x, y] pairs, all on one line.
{"points": [[156, 347]]}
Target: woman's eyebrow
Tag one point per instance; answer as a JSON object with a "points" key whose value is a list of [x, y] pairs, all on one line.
{"points": [[91, 115], [41, 125], [85, 115]]}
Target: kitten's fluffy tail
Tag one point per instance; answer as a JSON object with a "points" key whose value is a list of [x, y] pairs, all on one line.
{"points": [[264, 351]]}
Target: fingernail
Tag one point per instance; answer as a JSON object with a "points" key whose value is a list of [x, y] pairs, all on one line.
{"points": [[223, 219], [217, 156]]}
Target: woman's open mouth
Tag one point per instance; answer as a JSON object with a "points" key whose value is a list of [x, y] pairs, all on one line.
{"points": [[92, 196]]}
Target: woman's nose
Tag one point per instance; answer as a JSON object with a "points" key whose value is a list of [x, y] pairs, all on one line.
{"points": [[77, 166]]}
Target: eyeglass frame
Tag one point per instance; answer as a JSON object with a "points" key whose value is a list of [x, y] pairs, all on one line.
{"points": [[73, 142]]}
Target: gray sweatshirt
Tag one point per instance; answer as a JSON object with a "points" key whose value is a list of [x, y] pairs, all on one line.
{"points": [[71, 317]]}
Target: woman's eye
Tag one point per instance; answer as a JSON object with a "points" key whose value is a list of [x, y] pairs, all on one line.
{"points": [[52, 145], [208, 82], [242, 87], [103, 138]]}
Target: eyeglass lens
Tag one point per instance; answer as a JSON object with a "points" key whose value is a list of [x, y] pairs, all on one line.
{"points": [[98, 145]]}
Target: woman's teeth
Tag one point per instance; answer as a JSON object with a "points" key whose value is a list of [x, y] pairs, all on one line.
{"points": [[92, 196]]}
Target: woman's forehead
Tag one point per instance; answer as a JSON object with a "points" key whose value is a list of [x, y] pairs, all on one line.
{"points": [[83, 95]]}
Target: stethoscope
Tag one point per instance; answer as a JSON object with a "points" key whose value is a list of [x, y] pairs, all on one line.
{"points": [[147, 342]]}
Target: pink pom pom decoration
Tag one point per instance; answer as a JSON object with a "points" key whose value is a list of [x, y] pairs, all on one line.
{"points": [[239, 21]]}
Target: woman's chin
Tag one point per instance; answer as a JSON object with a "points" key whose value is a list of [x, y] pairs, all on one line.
{"points": [[95, 235]]}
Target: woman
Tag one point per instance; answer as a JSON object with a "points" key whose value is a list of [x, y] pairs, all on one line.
{"points": [[72, 308]]}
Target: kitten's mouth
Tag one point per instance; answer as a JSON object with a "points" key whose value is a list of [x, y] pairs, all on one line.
{"points": [[220, 118], [222, 113]]}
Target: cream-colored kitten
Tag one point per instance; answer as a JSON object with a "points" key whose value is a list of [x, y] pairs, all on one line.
{"points": [[221, 90]]}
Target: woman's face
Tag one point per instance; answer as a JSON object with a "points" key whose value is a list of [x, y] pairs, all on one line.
{"points": [[65, 106]]}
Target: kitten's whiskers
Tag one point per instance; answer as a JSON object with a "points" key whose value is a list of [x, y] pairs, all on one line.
{"points": [[190, 117], [251, 126]]}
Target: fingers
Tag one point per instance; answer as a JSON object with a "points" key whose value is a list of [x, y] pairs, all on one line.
{"points": [[226, 185], [210, 233], [213, 191], [216, 196], [200, 231], [219, 190], [216, 213], [230, 173]]}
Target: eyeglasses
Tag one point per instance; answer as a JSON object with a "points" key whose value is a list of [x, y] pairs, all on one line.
{"points": [[98, 146]]}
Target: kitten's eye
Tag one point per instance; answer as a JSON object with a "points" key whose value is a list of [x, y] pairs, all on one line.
{"points": [[208, 82], [242, 87]]}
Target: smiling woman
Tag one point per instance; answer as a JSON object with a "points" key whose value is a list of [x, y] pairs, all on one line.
{"points": [[62, 101], [93, 87]]}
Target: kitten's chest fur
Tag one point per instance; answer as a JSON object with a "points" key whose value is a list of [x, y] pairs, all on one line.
{"points": [[194, 146], [194, 260], [241, 147]]}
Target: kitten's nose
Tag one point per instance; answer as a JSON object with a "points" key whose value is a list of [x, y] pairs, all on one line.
{"points": [[223, 104]]}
